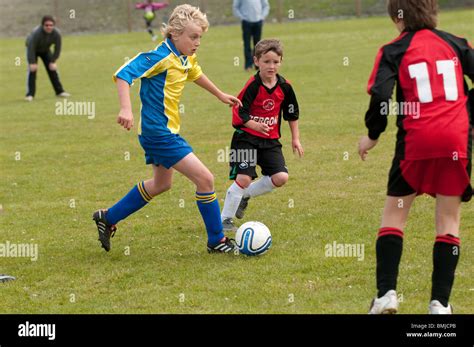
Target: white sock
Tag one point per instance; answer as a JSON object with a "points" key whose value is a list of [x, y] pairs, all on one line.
{"points": [[263, 186], [232, 201]]}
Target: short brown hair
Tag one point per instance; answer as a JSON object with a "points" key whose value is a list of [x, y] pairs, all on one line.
{"points": [[47, 18], [270, 45], [416, 14]]}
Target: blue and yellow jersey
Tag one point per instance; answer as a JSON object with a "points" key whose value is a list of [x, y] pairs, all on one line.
{"points": [[163, 73]]}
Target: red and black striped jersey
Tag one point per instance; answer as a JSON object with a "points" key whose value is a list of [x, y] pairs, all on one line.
{"points": [[265, 105], [433, 101]]}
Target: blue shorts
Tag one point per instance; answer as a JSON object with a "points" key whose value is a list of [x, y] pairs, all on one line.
{"points": [[164, 150]]}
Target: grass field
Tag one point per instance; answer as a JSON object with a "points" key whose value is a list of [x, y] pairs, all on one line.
{"points": [[70, 166]]}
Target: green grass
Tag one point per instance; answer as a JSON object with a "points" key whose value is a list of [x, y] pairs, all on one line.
{"points": [[72, 157]]}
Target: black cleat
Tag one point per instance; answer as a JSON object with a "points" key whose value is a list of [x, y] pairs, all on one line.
{"points": [[242, 207], [106, 231], [225, 246]]}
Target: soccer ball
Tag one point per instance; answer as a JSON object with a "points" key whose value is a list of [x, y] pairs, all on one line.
{"points": [[149, 15], [253, 238]]}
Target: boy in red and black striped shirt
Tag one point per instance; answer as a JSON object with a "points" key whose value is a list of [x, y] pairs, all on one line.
{"points": [[266, 98], [434, 142]]}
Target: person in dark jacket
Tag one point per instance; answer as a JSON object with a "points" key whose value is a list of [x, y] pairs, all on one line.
{"points": [[38, 44]]}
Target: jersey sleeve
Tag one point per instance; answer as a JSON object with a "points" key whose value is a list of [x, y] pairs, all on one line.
{"points": [[467, 58], [289, 106], [380, 87], [195, 72], [468, 69], [247, 99], [465, 52], [141, 66]]}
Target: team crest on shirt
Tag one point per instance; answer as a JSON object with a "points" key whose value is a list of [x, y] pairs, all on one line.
{"points": [[268, 105]]}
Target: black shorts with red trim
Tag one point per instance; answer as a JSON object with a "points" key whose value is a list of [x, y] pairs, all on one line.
{"points": [[443, 176], [248, 151]]}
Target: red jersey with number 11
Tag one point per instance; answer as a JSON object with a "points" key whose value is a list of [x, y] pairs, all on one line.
{"points": [[428, 67]]}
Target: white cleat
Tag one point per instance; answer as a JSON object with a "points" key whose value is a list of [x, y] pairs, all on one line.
{"points": [[387, 304], [437, 308], [64, 95], [29, 98]]}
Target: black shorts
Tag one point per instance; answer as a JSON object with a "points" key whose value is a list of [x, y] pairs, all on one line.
{"points": [[248, 151]]}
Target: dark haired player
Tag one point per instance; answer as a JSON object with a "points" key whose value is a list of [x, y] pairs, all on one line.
{"points": [[266, 99], [433, 151]]}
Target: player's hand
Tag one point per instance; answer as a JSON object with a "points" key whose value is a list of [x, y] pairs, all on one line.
{"points": [[297, 148], [52, 66], [33, 67], [125, 119], [365, 145], [229, 99], [259, 127]]}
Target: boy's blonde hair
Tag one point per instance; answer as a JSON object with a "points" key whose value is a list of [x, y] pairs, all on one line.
{"points": [[181, 16], [416, 14]]}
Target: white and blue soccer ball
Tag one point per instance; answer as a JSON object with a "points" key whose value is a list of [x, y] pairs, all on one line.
{"points": [[253, 238]]}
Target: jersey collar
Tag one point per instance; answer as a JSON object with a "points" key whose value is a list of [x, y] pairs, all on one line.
{"points": [[280, 80], [172, 47], [183, 58]]}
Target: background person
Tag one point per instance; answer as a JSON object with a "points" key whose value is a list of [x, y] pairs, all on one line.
{"points": [[252, 13], [38, 44]]}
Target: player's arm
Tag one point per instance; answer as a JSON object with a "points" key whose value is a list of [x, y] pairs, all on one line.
{"points": [[125, 116], [141, 66], [295, 138], [248, 98], [204, 82], [291, 113], [468, 69], [471, 108], [466, 55], [381, 84]]}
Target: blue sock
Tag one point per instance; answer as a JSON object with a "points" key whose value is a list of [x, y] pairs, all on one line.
{"points": [[211, 214], [130, 203]]}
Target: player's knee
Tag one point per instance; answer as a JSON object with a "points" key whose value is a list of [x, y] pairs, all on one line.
{"points": [[280, 179], [164, 187], [206, 182], [159, 186], [243, 181]]}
